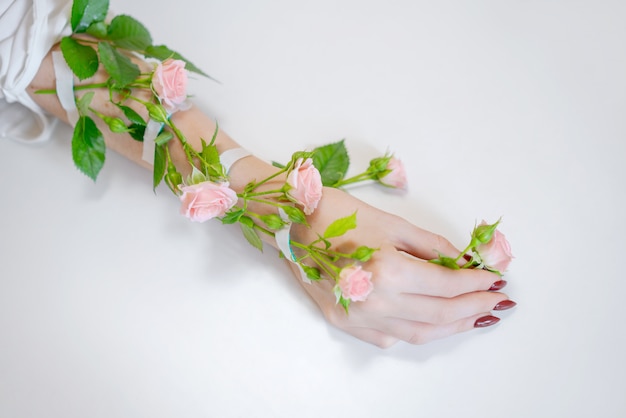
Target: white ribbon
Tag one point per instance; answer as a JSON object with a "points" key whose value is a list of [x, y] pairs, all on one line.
{"points": [[65, 86], [231, 156], [283, 242], [152, 131]]}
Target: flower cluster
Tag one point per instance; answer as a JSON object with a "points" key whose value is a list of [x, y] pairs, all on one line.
{"points": [[169, 82], [488, 249], [206, 193]]}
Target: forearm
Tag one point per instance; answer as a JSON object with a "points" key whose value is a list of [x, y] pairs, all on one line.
{"points": [[193, 123]]}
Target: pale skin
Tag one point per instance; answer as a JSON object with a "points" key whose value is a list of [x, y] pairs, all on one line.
{"points": [[412, 300]]}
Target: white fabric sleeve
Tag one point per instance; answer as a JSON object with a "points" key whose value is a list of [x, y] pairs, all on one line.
{"points": [[28, 29]]}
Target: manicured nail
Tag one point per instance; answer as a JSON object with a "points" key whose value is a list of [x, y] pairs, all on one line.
{"points": [[498, 285], [486, 321], [504, 305]]}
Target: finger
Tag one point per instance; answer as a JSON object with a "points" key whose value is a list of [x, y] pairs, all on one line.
{"points": [[422, 333], [372, 336], [399, 273], [433, 310], [422, 243]]}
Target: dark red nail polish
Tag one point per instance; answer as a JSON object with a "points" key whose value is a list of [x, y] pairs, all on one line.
{"points": [[504, 305], [498, 285], [486, 321]]}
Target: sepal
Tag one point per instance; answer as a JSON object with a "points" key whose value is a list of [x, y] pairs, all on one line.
{"points": [[444, 261], [482, 234], [273, 221]]}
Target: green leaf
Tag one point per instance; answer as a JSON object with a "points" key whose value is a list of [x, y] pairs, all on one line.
{"points": [[137, 131], [86, 12], [211, 161], [363, 253], [128, 33], [233, 216], [332, 161], [210, 153], [82, 59], [88, 148], [98, 30], [131, 115], [277, 164], [251, 234], [340, 226], [119, 66], [160, 163], [161, 52]]}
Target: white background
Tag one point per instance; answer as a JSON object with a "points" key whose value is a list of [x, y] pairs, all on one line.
{"points": [[113, 305]]}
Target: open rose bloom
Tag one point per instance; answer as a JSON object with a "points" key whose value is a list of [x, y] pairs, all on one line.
{"points": [[203, 201], [305, 185], [496, 254], [169, 82], [355, 283]]}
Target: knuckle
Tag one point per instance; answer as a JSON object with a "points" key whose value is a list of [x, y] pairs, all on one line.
{"points": [[375, 306], [441, 243], [385, 342], [335, 318], [418, 338], [441, 316]]}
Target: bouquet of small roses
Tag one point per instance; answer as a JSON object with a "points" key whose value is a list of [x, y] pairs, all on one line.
{"points": [[206, 193]]}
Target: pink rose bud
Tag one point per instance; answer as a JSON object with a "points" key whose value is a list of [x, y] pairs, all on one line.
{"points": [[397, 176], [355, 283], [203, 201], [496, 254], [169, 82], [305, 185]]}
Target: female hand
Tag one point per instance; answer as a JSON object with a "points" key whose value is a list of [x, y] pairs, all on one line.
{"points": [[413, 300]]}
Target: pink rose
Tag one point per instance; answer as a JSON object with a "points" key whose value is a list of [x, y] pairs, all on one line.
{"points": [[355, 283], [305, 184], [206, 200], [169, 81], [397, 176], [496, 254]]}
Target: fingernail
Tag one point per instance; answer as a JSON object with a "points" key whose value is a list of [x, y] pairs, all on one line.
{"points": [[486, 321], [504, 305], [498, 285]]}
